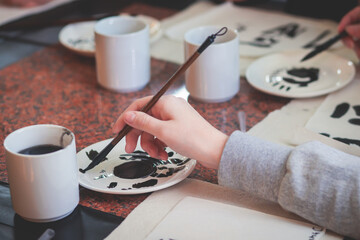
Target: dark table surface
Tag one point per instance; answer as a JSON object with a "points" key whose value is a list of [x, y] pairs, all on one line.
{"points": [[42, 82]]}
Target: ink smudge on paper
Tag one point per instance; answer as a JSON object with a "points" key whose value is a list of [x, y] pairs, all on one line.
{"points": [[340, 110], [355, 121], [343, 112], [240, 27], [357, 109], [347, 141], [273, 36], [343, 108]]}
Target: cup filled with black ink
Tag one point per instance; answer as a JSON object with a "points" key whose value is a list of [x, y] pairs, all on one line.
{"points": [[42, 172]]}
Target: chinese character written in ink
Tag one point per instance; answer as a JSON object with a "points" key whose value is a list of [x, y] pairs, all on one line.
{"points": [[339, 112], [270, 37]]}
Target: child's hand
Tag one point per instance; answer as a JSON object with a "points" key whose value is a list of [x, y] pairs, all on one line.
{"points": [[174, 123]]}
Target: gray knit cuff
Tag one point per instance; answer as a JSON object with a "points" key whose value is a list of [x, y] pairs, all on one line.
{"points": [[253, 165]]}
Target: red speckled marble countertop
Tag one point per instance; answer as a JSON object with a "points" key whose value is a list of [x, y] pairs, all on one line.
{"points": [[55, 86]]}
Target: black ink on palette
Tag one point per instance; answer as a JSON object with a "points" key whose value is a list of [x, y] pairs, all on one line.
{"points": [[112, 185], [134, 169], [103, 174], [41, 149], [148, 183], [82, 43], [91, 155], [299, 77], [140, 165], [272, 36]]}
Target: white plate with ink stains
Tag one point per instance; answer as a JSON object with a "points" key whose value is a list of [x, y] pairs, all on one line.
{"points": [[79, 37], [135, 173], [282, 74]]}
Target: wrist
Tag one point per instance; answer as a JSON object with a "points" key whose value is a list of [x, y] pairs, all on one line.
{"points": [[211, 153]]}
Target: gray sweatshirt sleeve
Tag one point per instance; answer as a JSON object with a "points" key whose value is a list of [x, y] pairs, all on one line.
{"points": [[317, 182]]}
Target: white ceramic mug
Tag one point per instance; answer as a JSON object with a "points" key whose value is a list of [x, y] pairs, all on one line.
{"points": [[43, 187], [215, 75], [122, 53]]}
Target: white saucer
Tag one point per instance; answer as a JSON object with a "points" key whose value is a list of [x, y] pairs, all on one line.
{"points": [[79, 37], [102, 179], [275, 74]]}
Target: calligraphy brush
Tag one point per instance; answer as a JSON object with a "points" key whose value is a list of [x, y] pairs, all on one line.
{"points": [[209, 40], [324, 46]]}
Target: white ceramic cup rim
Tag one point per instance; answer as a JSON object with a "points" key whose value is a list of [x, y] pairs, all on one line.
{"points": [[18, 132], [120, 26], [196, 36]]}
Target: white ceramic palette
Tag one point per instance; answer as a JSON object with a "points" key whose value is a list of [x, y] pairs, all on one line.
{"points": [[282, 74], [79, 37], [106, 177]]}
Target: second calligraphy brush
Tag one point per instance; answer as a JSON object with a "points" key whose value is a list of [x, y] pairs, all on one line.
{"points": [[324, 46], [209, 40]]}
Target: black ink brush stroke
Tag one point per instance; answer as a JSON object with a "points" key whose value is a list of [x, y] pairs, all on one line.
{"points": [[355, 121], [340, 110], [357, 109]]}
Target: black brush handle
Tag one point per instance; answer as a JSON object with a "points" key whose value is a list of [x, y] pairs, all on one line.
{"points": [[324, 46], [331, 41]]}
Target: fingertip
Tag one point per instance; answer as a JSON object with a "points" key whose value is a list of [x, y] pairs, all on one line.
{"points": [[129, 148], [114, 129], [340, 27], [151, 150], [129, 117], [348, 42], [357, 49], [163, 155], [118, 125]]}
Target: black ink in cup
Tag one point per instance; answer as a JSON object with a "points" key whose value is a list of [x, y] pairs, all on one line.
{"points": [[40, 149]]}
